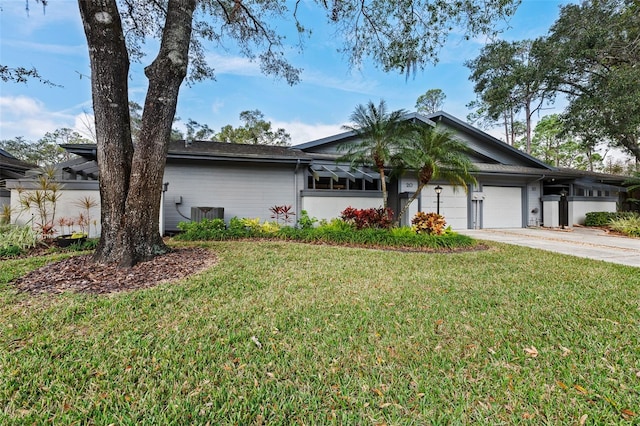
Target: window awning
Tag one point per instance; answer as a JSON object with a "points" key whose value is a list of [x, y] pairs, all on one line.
{"points": [[343, 172]]}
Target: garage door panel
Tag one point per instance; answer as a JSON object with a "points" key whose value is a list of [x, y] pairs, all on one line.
{"points": [[502, 207]]}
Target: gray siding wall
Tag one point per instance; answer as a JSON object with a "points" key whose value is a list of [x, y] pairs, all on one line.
{"points": [[5, 197], [243, 190], [534, 195], [504, 157]]}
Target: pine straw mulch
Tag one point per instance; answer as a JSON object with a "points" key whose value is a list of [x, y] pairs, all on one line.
{"points": [[79, 274]]}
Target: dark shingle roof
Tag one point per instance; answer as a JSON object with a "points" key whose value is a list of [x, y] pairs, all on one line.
{"points": [[8, 161], [207, 150], [234, 151]]}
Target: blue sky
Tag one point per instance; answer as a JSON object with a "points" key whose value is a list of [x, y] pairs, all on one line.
{"points": [[54, 43]]}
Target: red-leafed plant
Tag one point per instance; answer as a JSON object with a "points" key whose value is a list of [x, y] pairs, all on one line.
{"points": [[428, 223], [368, 218], [282, 213]]}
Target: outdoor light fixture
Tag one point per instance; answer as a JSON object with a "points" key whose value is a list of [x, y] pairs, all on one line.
{"points": [[438, 190]]}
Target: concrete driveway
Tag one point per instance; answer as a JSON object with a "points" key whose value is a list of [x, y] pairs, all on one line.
{"points": [[577, 241]]}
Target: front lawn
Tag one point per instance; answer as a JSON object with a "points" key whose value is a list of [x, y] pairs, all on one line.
{"points": [[291, 333]]}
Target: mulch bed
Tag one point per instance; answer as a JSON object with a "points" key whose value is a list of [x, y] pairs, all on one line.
{"points": [[79, 274]]}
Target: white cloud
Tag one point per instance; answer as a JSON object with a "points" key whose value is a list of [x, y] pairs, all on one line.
{"points": [[234, 65], [18, 105], [351, 83], [304, 132], [58, 49], [29, 117], [84, 124], [217, 106]]}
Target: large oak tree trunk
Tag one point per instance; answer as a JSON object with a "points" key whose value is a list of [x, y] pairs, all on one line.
{"points": [[131, 178]]}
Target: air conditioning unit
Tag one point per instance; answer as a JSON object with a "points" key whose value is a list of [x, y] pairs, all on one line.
{"points": [[199, 213]]}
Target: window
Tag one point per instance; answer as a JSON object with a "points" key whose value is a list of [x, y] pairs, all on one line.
{"points": [[342, 178]]}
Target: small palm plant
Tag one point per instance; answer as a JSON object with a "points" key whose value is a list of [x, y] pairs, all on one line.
{"points": [[5, 214], [434, 154], [84, 219], [43, 198], [381, 133], [633, 185]]}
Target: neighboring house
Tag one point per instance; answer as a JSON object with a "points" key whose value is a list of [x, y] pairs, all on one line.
{"points": [[213, 179], [10, 168], [78, 181]]}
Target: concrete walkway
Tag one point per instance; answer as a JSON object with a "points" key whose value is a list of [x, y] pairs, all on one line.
{"points": [[577, 241]]}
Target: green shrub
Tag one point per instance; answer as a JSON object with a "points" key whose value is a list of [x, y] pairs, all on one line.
{"points": [[598, 218], [16, 239], [336, 225], [269, 228], [88, 244], [306, 222], [251, 224], [237, 229], [629, 226], [402, 232], [336, 231], [255, 228], [10, 251], [206, 229], [294, 234], [605, 218]]}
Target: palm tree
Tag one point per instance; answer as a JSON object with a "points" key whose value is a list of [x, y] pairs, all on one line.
{"points": [[633, 184], [434, 154], [381, 134]]}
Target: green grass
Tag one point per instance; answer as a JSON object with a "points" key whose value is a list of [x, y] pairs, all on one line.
{"points": [[348, 336]]}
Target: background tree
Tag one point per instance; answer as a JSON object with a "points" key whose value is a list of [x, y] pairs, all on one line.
{"points": [[135, 112], [433, 154], [254, 130], [508, 80], [22, 75], [399, 36], [554, 145], [592, 55], [380, 134], [197, 131], [431, 101], [46, 151]]}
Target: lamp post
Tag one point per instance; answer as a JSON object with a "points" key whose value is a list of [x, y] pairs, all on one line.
{"points": [[438, 190], [564, 209]]}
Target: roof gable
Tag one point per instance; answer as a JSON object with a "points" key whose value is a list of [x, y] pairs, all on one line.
{"points": [[484, 147], [330, 144]]}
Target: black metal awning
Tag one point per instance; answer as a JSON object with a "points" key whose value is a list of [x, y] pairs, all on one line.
{"points": [[336, 171]]}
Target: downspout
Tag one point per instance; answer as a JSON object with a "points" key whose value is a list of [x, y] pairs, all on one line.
{"points": [[541, 217], [165, 188], [296, 195], [537, 180]]}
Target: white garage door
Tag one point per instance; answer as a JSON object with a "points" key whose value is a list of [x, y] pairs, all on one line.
{"points": [[502, 207]]}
